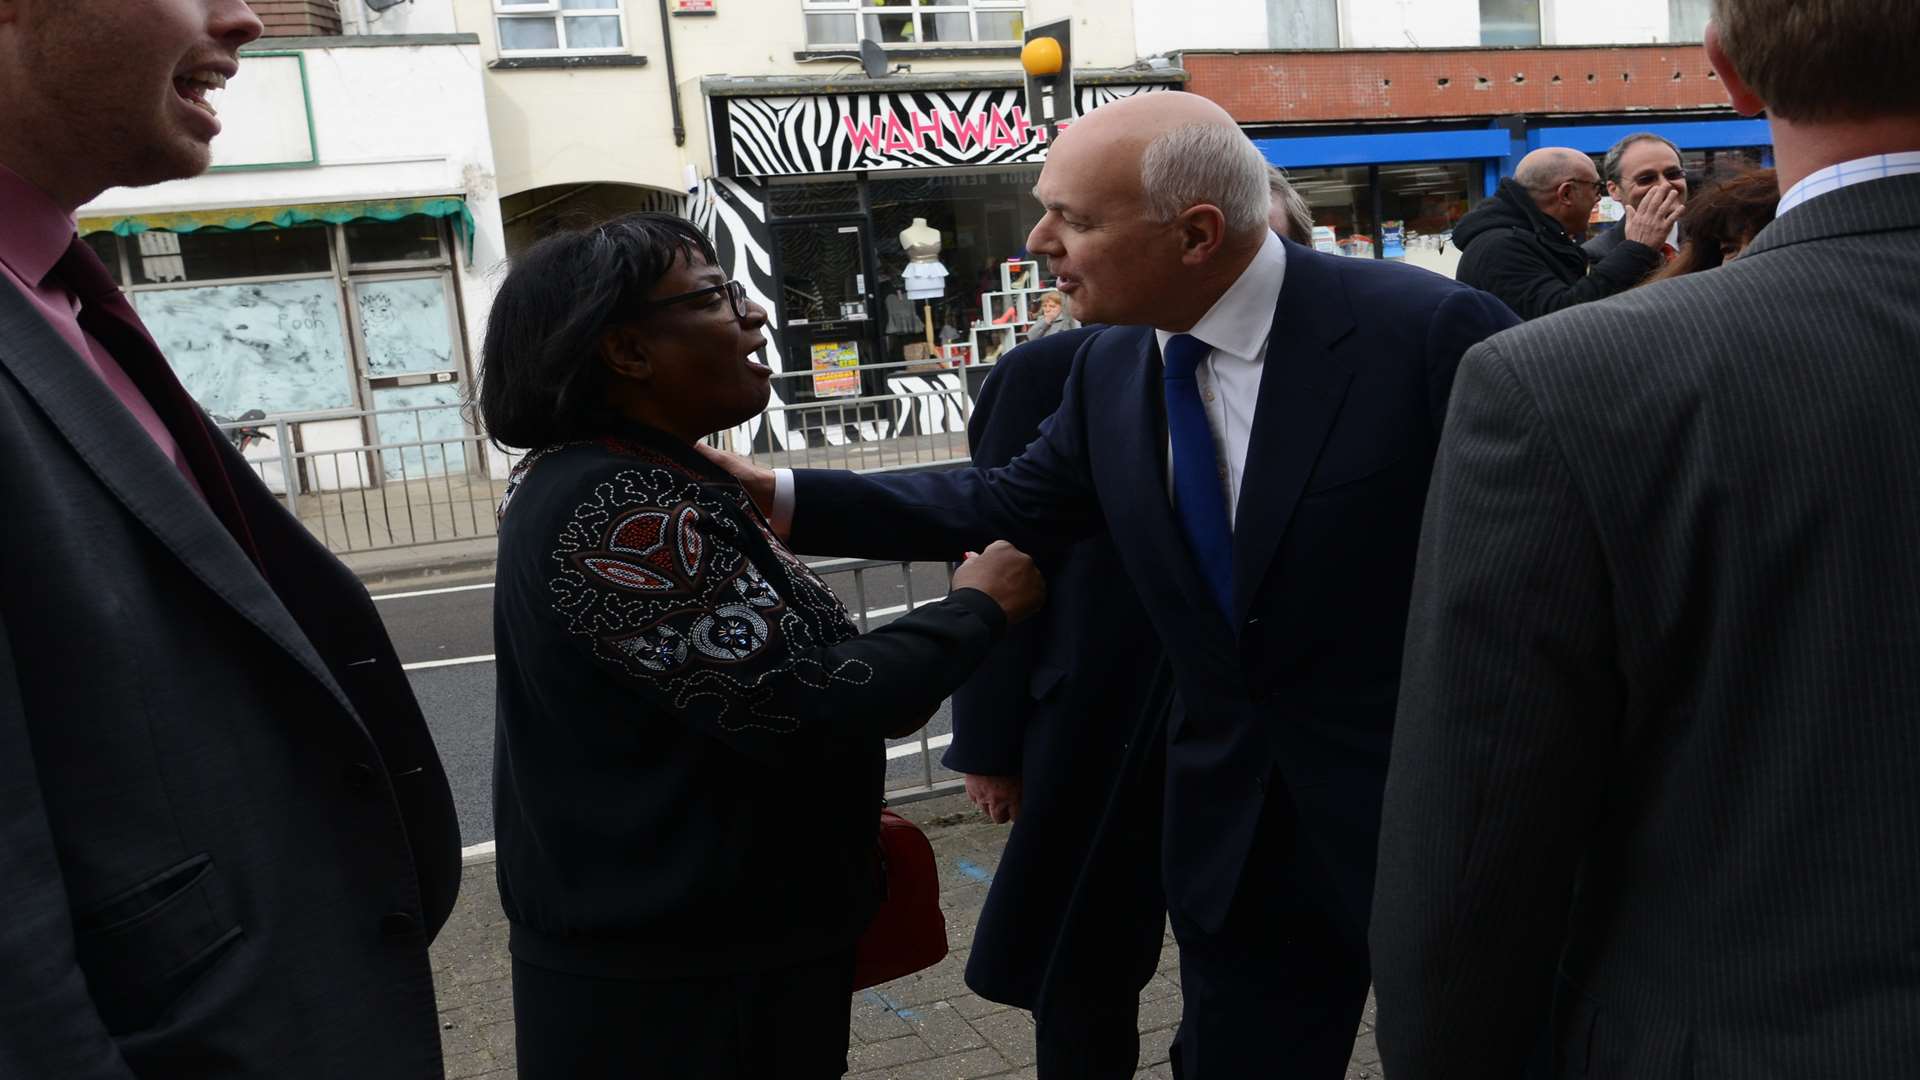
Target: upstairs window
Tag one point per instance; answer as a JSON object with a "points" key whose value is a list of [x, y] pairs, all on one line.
{"points": [[1509, 22], [558, 26], [908, 23]]}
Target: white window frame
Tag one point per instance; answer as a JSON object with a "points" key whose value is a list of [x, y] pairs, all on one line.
{"points": [[860, 9], [551, 10]]}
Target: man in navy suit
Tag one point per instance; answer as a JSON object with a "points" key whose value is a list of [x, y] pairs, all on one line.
{"points": [[1043, 732], [1257, 444]]}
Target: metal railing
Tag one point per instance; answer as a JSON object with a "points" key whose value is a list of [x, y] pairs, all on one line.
{"points": [[921, 420], [380, 478]]}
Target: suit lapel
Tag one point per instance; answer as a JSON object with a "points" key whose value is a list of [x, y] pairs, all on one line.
{"points": [[112, 444], [1302, 387]]}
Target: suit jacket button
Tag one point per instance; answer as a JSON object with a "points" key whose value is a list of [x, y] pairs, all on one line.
{"points": [[360, 776], [396, 924]]}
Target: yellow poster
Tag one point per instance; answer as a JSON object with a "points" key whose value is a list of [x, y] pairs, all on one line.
{"points": [[836, 369]]}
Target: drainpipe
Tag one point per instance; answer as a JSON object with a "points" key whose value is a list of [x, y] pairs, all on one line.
{"points": [[673, 81]]}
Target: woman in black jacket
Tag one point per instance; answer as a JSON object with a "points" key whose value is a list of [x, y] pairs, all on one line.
{"points": [[688, 749]]}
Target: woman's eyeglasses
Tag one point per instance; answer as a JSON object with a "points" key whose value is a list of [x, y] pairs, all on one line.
{"points": [[736, 295]]}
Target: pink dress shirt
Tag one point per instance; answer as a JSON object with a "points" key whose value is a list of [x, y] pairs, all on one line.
{"points": [[34, 234]]}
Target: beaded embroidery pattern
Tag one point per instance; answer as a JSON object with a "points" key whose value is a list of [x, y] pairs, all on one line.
{"points": [[651, 570]]}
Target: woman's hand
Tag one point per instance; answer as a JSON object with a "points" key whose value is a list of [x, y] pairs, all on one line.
{"points": [[1006, 574]]}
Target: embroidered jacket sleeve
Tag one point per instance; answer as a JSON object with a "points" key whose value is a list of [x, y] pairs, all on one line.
{"points": [[677, 588]]}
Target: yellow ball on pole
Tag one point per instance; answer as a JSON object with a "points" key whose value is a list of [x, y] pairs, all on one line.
{"points": [[1041, 56]]}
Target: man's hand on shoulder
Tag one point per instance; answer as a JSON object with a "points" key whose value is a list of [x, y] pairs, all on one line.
{"points": [[757, 480], [998, 797]]}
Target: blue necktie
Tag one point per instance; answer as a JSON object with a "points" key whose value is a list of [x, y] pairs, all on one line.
{"points": [[1199, 495]]}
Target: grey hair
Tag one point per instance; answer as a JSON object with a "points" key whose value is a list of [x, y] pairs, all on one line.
{"points": [[1610, 166], [1290, 202], [1210, 164]]}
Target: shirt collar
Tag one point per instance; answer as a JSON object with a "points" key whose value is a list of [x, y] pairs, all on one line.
{"points": [[34, 232], [1241, 320], [1846, 174]]}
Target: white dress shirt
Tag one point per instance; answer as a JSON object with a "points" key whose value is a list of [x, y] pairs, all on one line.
{"points": [[1847, 174], [1238, 327]]}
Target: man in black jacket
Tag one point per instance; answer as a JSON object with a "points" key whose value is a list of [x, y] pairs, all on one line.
{"points": [[1523, 245], [1042, 732]]}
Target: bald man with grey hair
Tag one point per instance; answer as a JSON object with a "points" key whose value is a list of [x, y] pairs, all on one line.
{"points": [[1255, 435], [1523, 245]]}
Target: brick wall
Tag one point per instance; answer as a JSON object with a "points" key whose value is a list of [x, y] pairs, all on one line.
{"points": [[1408, 84], [297, 18]]}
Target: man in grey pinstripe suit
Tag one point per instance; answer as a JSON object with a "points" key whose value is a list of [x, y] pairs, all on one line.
{"points": [[1658, 744]]}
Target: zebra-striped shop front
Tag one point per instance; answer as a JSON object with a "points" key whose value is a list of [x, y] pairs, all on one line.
{"points": [[811, 194]]}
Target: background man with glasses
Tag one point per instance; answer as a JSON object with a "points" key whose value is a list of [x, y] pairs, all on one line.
{"points": [[1637, 166], [1523, 245]]}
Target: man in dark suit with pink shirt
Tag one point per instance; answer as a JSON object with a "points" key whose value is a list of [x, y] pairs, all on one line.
{"points": [[225, 836]]}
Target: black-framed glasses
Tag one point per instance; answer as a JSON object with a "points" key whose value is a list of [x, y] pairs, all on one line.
{"points": [[1599, 186], [736, 295], [1672, 176]]}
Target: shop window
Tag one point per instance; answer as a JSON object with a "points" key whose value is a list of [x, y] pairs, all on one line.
{"points": [[905, 23], [104, 246], [277, 346], [1687, 19], [1303, 24], [160, 258], [558, 26], [411, 239], [1509, 22], [1419, 205], [983, 219], [798, 198], [1342, 205]]}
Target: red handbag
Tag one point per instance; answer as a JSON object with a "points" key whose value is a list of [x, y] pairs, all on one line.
{"points": [[909, 933]]}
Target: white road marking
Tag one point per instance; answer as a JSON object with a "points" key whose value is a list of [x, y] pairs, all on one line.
{"points": [[455, 662], [476, 851], [433, 592], [894, 753]]}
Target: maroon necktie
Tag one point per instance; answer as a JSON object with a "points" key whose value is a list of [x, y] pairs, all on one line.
{"points": [[106, 315]]}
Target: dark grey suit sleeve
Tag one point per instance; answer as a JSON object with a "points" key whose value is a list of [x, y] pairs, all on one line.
{"points": [[48, 1023], [1508, 706]]}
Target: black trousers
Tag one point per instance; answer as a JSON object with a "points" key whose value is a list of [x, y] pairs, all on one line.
{"points": [[787, 1024], [1277, 992]]}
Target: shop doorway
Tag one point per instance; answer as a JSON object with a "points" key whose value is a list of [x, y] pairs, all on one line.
{"points": [[827, 330]]}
